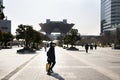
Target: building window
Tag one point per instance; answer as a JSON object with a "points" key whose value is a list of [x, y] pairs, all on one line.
{"points": [[4, 28]]}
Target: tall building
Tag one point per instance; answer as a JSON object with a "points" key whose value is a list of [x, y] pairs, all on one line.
{"points": [[1, 10], [110, 20], [1, 5], [5, 25]]}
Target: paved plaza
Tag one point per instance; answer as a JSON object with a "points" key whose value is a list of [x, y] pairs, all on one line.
{"points": [[100, 64]]}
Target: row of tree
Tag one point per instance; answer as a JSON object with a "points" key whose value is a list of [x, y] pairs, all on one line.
{"points": [[27, 33], [33, 38]]}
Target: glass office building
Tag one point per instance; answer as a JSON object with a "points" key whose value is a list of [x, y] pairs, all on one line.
{"points": [[105, 14], [110, 19]]}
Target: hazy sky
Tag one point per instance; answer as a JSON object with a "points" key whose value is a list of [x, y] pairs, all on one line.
{"points": [[85, 14]]}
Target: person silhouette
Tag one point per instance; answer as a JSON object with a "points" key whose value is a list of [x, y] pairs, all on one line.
{"points": [[95, 46], [51, 57], [86, 47], [45, 46], [91, 47]]}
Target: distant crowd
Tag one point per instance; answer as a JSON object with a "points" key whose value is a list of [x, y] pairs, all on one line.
{"points": [[91, 46]]}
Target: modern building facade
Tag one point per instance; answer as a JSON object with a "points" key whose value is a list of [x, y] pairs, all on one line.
{"points": [[1, 10], [56, 26], [1, 5], [5, 25], [110, 20]]}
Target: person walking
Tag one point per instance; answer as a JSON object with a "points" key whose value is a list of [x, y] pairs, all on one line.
{"points": [[51, 58], [45, 46], [86, 47], [95, 46], [91, 47]]}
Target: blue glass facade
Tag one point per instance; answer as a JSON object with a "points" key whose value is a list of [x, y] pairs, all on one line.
{"points": [[110, 19], [110, 14], [115, 12], [105, 14]]}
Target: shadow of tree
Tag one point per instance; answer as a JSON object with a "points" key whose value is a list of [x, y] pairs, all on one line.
{"points": [[57, 76]]}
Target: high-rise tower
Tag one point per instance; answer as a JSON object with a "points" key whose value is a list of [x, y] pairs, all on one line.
{"points": [[1, 10], [110, 19], [1, 3], [5, 25]]}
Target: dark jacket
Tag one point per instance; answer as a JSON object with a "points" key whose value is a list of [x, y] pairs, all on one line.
{"points": [[51, 54], [86, 46]]}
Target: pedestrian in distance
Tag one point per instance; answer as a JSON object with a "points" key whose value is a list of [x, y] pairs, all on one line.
{"points": [[95, 46], [86, 47], [51, 58], [82, 45], [45, 46], [91, 47]]}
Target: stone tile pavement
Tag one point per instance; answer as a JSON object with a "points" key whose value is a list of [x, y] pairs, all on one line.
{"points": [[100, 64]]}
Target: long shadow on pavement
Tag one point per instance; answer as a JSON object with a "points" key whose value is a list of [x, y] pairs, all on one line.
{"points": [[57, 76]]}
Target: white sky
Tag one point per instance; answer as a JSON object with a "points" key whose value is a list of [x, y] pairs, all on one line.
{"points": [[85, 14]]}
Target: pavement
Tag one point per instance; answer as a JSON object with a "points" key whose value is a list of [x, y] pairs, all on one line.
{"points": [[100, 64]]}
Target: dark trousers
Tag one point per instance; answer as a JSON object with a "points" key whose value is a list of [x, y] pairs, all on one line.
{"points": [[52, 64], [86, 50]]}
